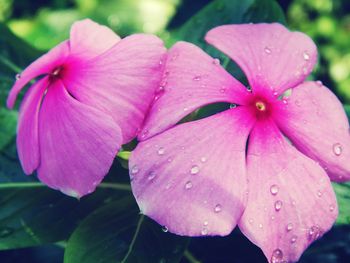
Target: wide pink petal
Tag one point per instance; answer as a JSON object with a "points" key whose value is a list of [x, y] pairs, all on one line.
{"points": [[191, 178], [77, 143], [89, 39], [27, 129], [315, 121], [291, 202], [43, 65], [121, 82], [191, 80], [271, 56]]}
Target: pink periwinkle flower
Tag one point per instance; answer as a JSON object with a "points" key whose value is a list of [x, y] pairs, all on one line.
{"points": [[237, 167], [92, 96]]}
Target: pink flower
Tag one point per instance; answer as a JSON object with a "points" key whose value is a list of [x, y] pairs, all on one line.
{"points": [[92, 96], [237, 167]]}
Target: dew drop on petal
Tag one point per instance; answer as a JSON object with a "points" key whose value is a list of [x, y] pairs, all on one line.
{"points": [[232, 106], [289, 226], [197, 78], [194, 169], [278, 205], [151, 176], [222, 90], [274, 189], [18, 76], [217, 208], [188, 185], [319, 83], [203, 159], [205, 223], [134, 169], [165, 229], [314, 233], [267, 50], [204, 231], [161, 151], [293, 239], [260, 226], [319, 193], [297, 102], [337, 149], [277, 256], [216, 61], [331, 208], [306, 56]]}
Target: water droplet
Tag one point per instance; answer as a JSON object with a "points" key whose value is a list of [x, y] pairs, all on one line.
{"points": [[151, 175], [274, 189], [293, 239], [306, 56], [319, 83], [297, 102], [217, 208], [144, 133], [314, 232], [170, 160], [285, 101], [249, 89], [134, 170], [289, 226], [267, 50], [194, 169], [222, 90], [216, 61], [5, 232], [277, 256], [305, 70], [319, 193], [260, 226], [331, 208], [251, 221], [188, 185], [18, 76], [275, 93], [205, 223], [232, 106], [278, 205], [185, 109], [161, 151], [197, 78], [337, 149], [204, 231], [203, 159], [272, 217], [165, 229]]}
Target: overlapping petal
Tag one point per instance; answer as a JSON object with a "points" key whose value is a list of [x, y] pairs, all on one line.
{"points": [[191, 178], [192, 79], [78, 143], [315, 121], [290, 202], [43, 65], [272, 57], [28, 126], [121, 82]]}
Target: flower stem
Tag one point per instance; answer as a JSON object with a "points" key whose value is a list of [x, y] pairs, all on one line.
{"points": [[190, 258], [10, 65]]}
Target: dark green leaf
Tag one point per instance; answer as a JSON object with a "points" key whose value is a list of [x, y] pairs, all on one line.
{"points": [[343, 197], [118, 233]]}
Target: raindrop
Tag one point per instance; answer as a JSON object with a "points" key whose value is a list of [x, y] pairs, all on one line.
{"points": [[331, 208], [278, 205], [293, 239], [289, 227], [161, 151], [314, 232], [275, 93], [285, 101], [249, 89], [18, 76], [216, 61], [188, 185], [217, 208], [197, 78], [222, 90], [170, 160], [260, 226], [297, 102], [277, 256], [151, 176], [232, 106], [194, 169], [319, 193], [319, 83], [305, 70], [134, 170], [165, 229], [337, 149], [267, 50], [203, 159], [185, 109], [251, 221], [204, 231], [306, 56], [274, 189], [5, 232], [205, 223], [144, 134]]}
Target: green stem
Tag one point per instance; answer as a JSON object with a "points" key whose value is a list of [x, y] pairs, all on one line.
{"points": [[116, 186], [10, 65], [188, 255]]}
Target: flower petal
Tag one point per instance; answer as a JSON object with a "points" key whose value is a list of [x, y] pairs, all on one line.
{"points": [[191, 178], [27, 130], [290, 202], [89, 39], [315, 121], [43, 65], [121, 82], [191, 80], [271, 56], [77, 143]]}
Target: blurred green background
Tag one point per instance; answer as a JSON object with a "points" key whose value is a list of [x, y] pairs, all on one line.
{"points": [[45, 23]]}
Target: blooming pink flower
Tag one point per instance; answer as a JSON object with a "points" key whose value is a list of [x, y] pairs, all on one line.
{"points": [[237, 167], [92, 96]]}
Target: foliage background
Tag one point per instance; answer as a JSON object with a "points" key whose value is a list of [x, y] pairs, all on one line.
{"points": [[37, 224]]}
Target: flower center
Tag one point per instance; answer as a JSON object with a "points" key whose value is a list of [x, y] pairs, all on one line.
{"points": [[56, 72], [260, 106]]}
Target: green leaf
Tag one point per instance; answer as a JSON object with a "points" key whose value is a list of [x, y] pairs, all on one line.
{"points": [[222, 12], [118, 233], [343, 197], [8, 122]]}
